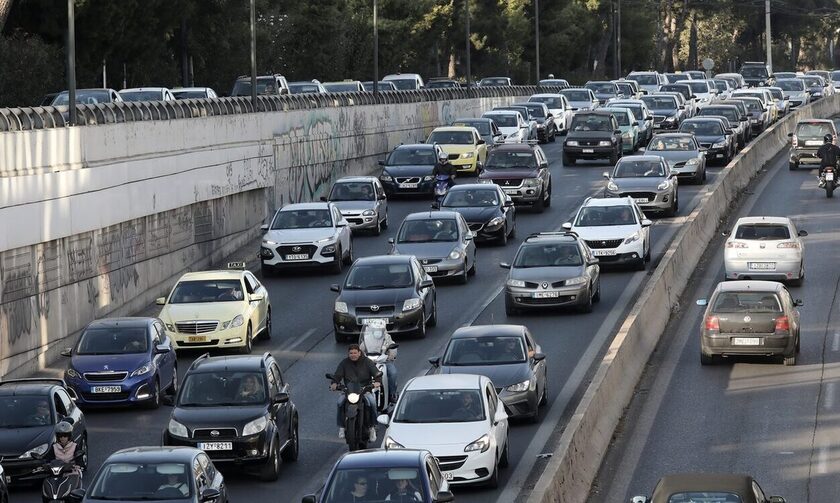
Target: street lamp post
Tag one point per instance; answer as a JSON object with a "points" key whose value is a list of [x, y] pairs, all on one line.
{"points": [[71, 61], [253, 55], [537, 26], [375, 49], [467, 15]]}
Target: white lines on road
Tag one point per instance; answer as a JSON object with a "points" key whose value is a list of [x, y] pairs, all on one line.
{"points": [[835, 344], [822, 459], [828, 402], [297, 342]]}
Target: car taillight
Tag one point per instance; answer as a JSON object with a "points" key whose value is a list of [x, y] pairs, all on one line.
{"points": [[735, 244], [712, 323], [782, 324], [794, 141], [788, 244]]}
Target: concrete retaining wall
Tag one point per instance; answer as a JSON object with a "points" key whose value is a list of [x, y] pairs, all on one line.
{"points": [[568, 476]]}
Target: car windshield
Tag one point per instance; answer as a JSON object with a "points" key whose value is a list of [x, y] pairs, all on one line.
{"points": [[192, 292], [265, 86], [835, 75], [222, 388], [536, 111], [776, 94], [791, 85], [554, 82], [188, 95], [762, 232], [504, 120], [754, 72], [376, 485], [550, 102], [25, 411], [759, 96], [660, 102], [698, 86], [704, 497], [379, 277], [441, 84], [508, 159], [341, 87], [483, 127], [676, 89], [731, 114], [352, 191], [468, 198], [625, 89], [494, 82], [141, 95], [83, 97], [440, 406], [451, 138], [499, 350], [602, 88], [302, 219], [645, 79], [403, 84], [752, 105], [523, 111], [410, 156], [303, 88], [548, 255], [638, 169], [636, 110], [142, 481], [576, 95], [812, 81], [427, 231], [721, 85], [677, 77], [621, 117], [813, 130], [751, 302], [672, 144], [702, 128], [784, 75], [591, 122], [113, 341], [602, 216]]}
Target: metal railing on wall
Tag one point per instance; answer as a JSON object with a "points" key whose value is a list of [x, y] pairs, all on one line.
{"points": [[29, 118]]}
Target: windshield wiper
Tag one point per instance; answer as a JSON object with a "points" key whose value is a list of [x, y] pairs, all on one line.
{"points": [[375, 287]]}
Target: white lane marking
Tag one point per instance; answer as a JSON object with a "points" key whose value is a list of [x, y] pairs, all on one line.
{"points": [[828, 402], [835, 344], [786, 453], [299, 341], [822, 459]]}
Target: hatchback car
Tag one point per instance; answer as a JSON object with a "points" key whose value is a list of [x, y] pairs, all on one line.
{"points": [[460, 419], [508, 356], [648, 180], [512, 124], [605, 91], [766, 97], [238, 410], [466, 149], [685, 91], [781, 102], [648, 81], [765, 248], [523, 174], [806, 139], [87, 97], [641, 114], [714, 135], [546, 128], [487, 129], [760, 118], [682, 153], [615, 230], [795, 91], [756, 318], [441, 241], [390, 288], [708, 488], [580, 99], [627, 124], [816, 86], [560, 110], [361, 201], [489, 212], [527, 116], [550, 270], [594, 135], [737, 121], [122, 361], [162, 474], [408, 169]]}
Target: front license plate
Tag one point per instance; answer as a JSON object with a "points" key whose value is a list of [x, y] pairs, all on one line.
{"points": [[299, 256], [511, 191], [746, 341], [603, 253], [369, 321], [588, 151], [215, 446], [641, 200], [106, 389], [546, 295], [447, 475], [197, 338], [408, 185], [430, 268], [761, 266]]}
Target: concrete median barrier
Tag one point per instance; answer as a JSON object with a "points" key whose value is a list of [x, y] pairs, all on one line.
{"points": [[575, 462]]}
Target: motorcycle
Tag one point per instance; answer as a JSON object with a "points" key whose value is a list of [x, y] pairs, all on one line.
{"points": [[378, 353], [829, 178], [354, 413], [62, 478], [441, 187]]}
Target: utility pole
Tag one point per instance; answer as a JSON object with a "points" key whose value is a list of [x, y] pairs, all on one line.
{"points": [[375, 49], [467, 15], [769, 42], [537, 24], [618, 40], [104, 73], [71, 61], [253, 55]]}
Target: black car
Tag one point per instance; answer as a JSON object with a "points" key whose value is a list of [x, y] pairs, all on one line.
{"points": [[237, 409], [667, 111], [708, 487], [713, 135], [508, 356], [759, 116], [593, 135], [394, 288], [160, 474], [489, 212], [408, 169], [546, 128], [29, 411], [442, 84], [605, 90], [4, 488], [521, 170], [755, 73], [733, 115], [815, 85]]}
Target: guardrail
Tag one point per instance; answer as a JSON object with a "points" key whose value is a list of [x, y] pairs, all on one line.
{"points": [[29, 118]]}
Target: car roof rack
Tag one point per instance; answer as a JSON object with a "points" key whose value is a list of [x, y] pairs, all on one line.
{"points": [[552, 234], [35, 380]]}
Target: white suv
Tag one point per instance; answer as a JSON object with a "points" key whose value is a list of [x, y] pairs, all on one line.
{"points": [[616, 230], [306, 234]]}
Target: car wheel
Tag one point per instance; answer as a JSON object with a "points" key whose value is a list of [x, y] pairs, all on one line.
{"points": [[548, 197], [291, 452], [798, 281], [614, 157], [173, 387], [503, 237], [266, 270], [349, 258], [378, 229], [544, 397], [154, 402], [790, 361], [568, 160], [793, 166], [539, 205], [421, 332], [639, 265], [698, 178], [586, 307], [385, 222], [504, 461], [270, 471], [597, 296], [433, 318], [246, 349], [510, 309], [338, 261], [462, 278], [472, 269], [706, 359], [493, 481], [266, 333], [797, 343]]}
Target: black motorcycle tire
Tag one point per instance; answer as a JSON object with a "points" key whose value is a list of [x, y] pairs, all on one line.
{"points": [[829, 190]]}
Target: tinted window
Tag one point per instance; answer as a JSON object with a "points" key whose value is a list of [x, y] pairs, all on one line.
{"points": [[183, 95], [573, 95], [702, 128], [549, 101], [465, 351], [813, 130], [342, 87], [647, 80], [591, 123], [187, 292], [672, 143], [548, 255], [85, 97], [379, 276], [452, 137], [756, 302], [140, 95], [143, 481], [412, 156], [427, 231], [352, 191], [471, 198], [303, 88], [721, 85], [222, 388], [302, 219], [504, 120], [753, 72], [730, 114], [698, 87], [660, 102], [440, 406], [511, 159], [601, 88], [265, 86], [764, 232], [704, 497], [20, 411], [114, 340], [597, 216], [636, 169], [482, 126], [375, 485], [403, 84], [791, 85]]}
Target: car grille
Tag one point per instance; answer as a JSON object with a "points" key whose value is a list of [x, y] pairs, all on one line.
{"points": [[221, 433], [658, 119], [429, 261], [588, 143], [383, 311], [452, 157], [639, 195], [105, 376], [211, 342], [407, 179], [538, 302], [105, 397], [297, 250], [449, 463], [508, 182], [604, 243], [355, 220], [196, 327], [476, 227]]}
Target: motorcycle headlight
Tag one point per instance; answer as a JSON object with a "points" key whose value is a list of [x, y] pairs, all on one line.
{"points": [[719, 144], [604, 143], [145, 369], [495, 223], [467, 155], [516, 283], [353, 397], [611, 186], [255, 426], [411, 304], [521, 386], [35, 452], [368, 213], [633, 237], [236, 322], [390, 443], [580, 280], [72, 373], [341, 307], [664, 185], [482, 444], [455, 254], [177, 429], [572, 143]]}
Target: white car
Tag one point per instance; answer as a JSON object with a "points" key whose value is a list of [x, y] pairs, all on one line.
{"points": [[559, 107], [147, 94], [704, 91], [306, 234], [511, 123], [193, 93], [459, 418], [768, 248], [615, 229], [581, 99]]}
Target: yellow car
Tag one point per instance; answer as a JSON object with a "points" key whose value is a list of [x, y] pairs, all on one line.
{"points": [[217, 309], [464, 145]]}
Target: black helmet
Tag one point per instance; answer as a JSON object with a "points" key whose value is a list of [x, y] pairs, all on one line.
{"points": [[63, 429], [828, 138]]}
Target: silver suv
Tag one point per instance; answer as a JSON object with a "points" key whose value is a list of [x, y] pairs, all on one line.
{"points": [[361, 201], [267, 85]]}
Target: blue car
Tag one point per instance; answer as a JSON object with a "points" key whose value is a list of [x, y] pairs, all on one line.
{"points": [[122, 361]]}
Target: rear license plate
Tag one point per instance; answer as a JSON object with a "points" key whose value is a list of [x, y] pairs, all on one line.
{"points": [[746, 341], [588, 151], [299, 256], [215, 446], [603, 253], [761, 266], [369, 321], [408, 185], [197, 338], [106, 389], [829, 176], [447, 475], [641, 200], [430, 268], [813, 143], [546, 295]]}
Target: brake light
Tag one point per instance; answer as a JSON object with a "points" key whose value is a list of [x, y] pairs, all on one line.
{"points": [[795, 141], [788, 244], [735, 244], [712, 323], [782, 324]]}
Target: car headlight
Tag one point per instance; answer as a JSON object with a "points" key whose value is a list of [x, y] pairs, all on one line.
{"points": [[467, 155], [521, 386], [611, 186], [329, 249], [72, 373], [255, 426], [268, 242], [170, 327], [428, 178], [572, 143], [670, 119], [368, 213], [482, 444], [634, 237], [516, 283], [580, 280], [35, 452], [145, 369], [719, 144], [236, 322], [604, 143], [390, 443], [664, 185], [754, 121], [495, 223], [411, 304], [385, 177], [533, 182], [325, 240], [177, 429], [692, 162], [455, 254], [341, 307]]}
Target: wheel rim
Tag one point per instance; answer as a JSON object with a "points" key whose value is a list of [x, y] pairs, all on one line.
{"points": [[248, 339], [296, 441], [175, 381], [268, 325]]}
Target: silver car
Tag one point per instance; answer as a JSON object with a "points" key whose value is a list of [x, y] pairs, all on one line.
{"points": [[580, 99], [795, 91], [441, 241], [362, 202], [765, 248], [648, 180], [682, 153]]}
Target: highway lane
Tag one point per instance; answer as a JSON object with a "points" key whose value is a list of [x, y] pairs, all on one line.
{"points": [[776, 423], [303, 341]]}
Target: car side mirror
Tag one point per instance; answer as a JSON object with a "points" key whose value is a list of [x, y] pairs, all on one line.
{"points": [[324, 198], [160, 301], [309, 498], [508, 204], [539, 357], [702, 302], [256, 297], [341, 223], [335, 288], [444, 497], [646, 222], [617, 131], [567, 226], [167, 399], [798, 302], [383, 419], [703, 149], [281, 397], [160, 349], [481, 142], [504, 265], [381, 162], [802, 233], [76, 495], [606, 175], [574, 109], [469, 236], [434, 362], [744, 119], [435, 205], [391, 241], [264, 227], [501, 415], [426, 283], [67, 352], [393, 346], [693, 97], [729, 131]]}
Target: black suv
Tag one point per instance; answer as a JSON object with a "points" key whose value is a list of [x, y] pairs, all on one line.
{"points": [[29, 411], [593, 135], [521, 170], [238, 410], [755, 73]]}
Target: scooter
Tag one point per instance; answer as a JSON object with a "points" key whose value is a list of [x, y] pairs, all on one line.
{"points": [[355, 423], [378, 353], [830, 178], [441, 187], [62, 478]]}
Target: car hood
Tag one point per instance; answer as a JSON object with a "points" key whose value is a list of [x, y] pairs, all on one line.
{"points": [[355, 205], [16, 441], [284, 236], [675, 156], [218, 417], [501, 375], [395, 296], [580, 104], [506, 173], [476, 214], [440, 249], [410, 170], [98, 363], [667, 112], [641, 183], [547, 274], [457, 149], [596, 135], [709, 138], [222, 311], [606, 231], [88, 499], [428, 435]]}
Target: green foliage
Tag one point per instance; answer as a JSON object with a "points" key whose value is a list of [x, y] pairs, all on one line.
{"points": [[29, 69]]}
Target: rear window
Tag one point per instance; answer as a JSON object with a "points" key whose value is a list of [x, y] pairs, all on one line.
{"points": [[813, 130], [752, 302], [645, 79], [704, 497], [764, 232]]}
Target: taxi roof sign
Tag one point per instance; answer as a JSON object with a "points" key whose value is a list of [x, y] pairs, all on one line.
{"points": [[236, 265]]}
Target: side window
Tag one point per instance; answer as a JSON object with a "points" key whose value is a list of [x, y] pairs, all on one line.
{"points": [[278, 376], [207, 466], [61, 407], [530, 343], [491, 402], [434, 477], [759, 494], [156, 335], [252, 282], [272, 383], [198, 475], [248, 287]]}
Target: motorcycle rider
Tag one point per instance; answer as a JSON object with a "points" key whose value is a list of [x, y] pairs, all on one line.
{"points": [[828, 154], [444, 167], [358, 370], [65, 449], [383, 340]]}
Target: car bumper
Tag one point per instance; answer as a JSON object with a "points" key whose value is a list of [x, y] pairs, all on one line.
{"points": [[442, 268], [520, 403], [560, 297], [804, 156], [656, 201], [768, 344], [359, 222], [272, 257], [687, 171], [739, 268], [461, 468], [666, 126], [350, 325], [589, 152], [253, 449], [525, 194], [624, 254], [24, 470], [420, 187], [220, 339], [133, 391], [483, 234], [465, 165]]}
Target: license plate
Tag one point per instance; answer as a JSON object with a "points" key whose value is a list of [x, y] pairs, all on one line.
{"points": [[546, 295], [813, 143], [746, 341], [106, 389], [408, 185], [829, 176], [430, 268], [298, 256], [588, 151], [719, 155], [215, 446], [447, 475], [641, 200], [603, 253], [511, 191], [369, 321], [761, 266], [197, 338]]}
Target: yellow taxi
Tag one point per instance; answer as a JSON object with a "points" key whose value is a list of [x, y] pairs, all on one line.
{"points": [[223, 309], [464, 145]]}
